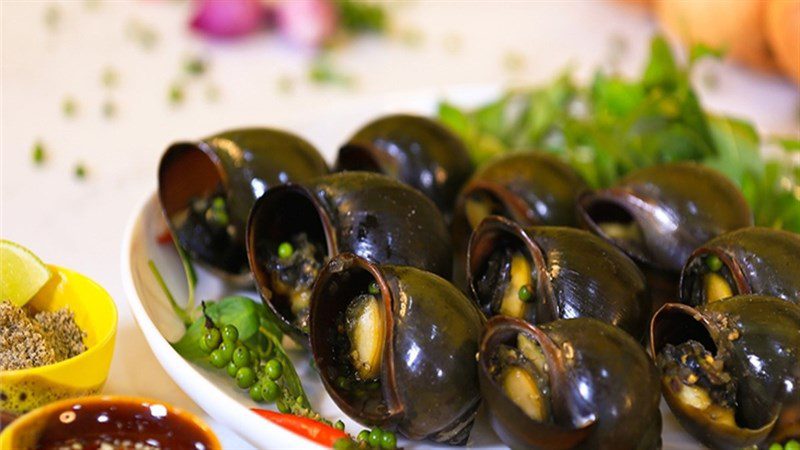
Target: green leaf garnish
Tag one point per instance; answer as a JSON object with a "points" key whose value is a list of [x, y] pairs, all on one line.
{"points": [[616, 125]]}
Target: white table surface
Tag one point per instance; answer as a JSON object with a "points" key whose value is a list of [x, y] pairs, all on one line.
{"points": [[80, 224]]}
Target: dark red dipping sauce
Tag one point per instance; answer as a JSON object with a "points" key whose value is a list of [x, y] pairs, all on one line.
{"points": [[110, 425]]}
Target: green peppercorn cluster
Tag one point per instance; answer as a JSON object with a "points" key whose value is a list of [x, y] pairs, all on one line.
{"points": [[789, 445], [260, 374], [375, 438]]}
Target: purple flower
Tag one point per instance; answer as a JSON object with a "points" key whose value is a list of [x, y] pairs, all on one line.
{"points": [[228, 18], [306, 23]]}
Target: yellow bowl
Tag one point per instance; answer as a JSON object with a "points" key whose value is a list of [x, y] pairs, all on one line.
{"points": [[85, 374], [112, 417]]}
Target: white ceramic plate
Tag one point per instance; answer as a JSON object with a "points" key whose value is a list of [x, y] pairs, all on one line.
{"points": [[213, 389]]}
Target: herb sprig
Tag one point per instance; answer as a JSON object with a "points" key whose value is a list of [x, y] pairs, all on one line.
{"points": [[616, 125]]}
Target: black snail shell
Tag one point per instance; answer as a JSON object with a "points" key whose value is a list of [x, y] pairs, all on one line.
{"points": [[541, 274], [368, 214], [575, 383], [395, 347], [730, 370], [531, 188], [752, 260], [660, 214], [413, 149], [207, 188]]}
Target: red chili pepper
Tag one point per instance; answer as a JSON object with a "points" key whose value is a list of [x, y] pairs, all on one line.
{"points": [[316, 431], [165, 237]]}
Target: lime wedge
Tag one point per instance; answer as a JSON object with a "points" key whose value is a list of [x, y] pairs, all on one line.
{"points": [[22, 273]]}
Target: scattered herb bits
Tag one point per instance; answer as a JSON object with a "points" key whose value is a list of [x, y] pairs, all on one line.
{"points": [[69, 107], [109, 109], [195, 66], [176, 94], [109, 78], [80, 171], [322, 71], [38, 154], [52, 17]]}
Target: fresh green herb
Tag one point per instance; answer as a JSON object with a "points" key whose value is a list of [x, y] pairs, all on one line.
{"points": [[789, 144], [38, 154], [176, 94], [616, 125], [195, 66], [247, 336], [322, 71], [69, 107], [360, 17], [184, 313], [80, 171]]}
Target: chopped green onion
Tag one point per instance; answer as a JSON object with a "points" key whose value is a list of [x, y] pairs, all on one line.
{"points": [[713, 263], [525, 293], [374, 289], [285, 250], [217, 213]]}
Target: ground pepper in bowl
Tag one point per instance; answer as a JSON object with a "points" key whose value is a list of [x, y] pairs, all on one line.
{"points": [[30, 338]]}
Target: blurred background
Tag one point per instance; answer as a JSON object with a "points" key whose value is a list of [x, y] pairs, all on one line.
{"points": [[93, 91]]}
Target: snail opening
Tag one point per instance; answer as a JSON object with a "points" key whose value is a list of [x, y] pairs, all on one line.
{"points": [[292, 248], [356, 157], [615, 222], [192, 193], [707, 278], [352, 324], [694, 373], [520, 369], [504, 282], [480, 204]]}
